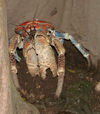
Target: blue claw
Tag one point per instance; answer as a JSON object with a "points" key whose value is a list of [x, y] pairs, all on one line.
{"points": [[17, 57]]}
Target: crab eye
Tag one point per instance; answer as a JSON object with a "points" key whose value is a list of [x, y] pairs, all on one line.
{"points": [[22, 39], [49, 31], [32, 28], [28, 30]]}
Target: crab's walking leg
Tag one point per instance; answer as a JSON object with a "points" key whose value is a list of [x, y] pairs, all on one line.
{"points": [[66, 36], [76, 44], [61, 64], [81, 49], [12, 49]]}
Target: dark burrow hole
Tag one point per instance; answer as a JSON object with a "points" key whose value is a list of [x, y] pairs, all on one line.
{"points": [[41, 92]]}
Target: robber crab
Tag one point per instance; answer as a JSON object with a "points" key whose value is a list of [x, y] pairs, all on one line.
{"points": [[36, 38]]}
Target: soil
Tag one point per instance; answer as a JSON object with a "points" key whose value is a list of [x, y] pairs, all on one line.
{"points": [[41, 92]]}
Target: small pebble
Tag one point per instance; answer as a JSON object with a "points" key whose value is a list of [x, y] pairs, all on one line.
{"points": [[97, 87]]}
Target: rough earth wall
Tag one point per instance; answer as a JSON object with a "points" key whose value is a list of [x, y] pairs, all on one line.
{"points": [[5, 93], [10, 100]]}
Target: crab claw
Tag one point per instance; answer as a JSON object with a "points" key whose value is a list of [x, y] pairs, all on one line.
{"points": [[45, 53], [31, 58]]}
